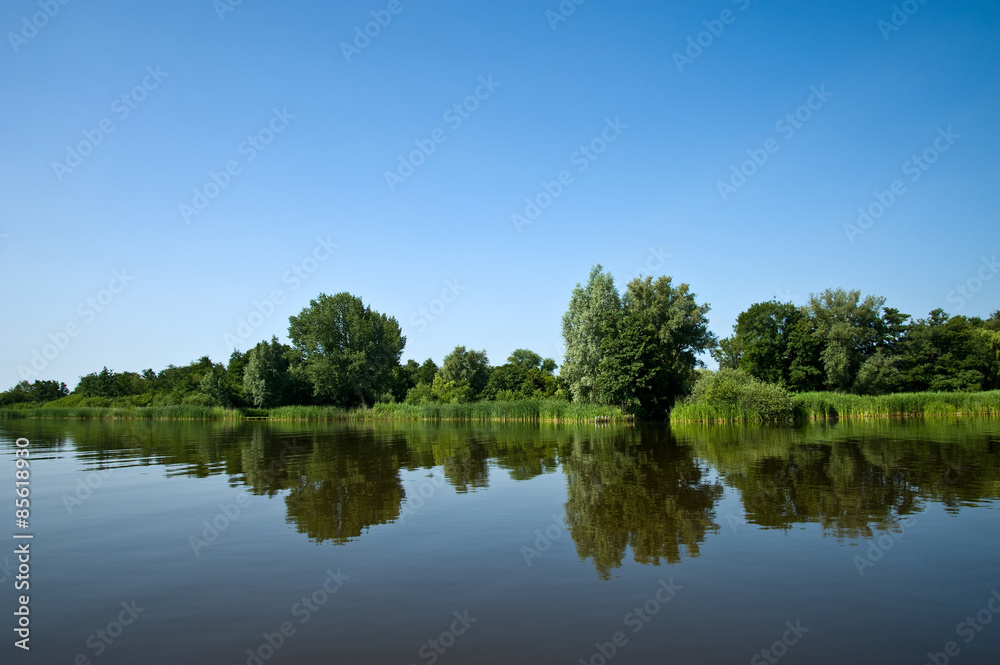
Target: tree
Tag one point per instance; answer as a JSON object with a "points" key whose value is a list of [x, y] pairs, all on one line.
{"points": [[348, 352], [214, 386], [466, 368], [651, 359], [774, 342], [945, 354], [853, 331], [266, 377], [99, 384], [592, 316], [525, 359], [638, 352], [524, 375], [37, 392]]}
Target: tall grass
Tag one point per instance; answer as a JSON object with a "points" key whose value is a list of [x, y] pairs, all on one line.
{"points": [[176, 412], [826, 406], [527, 410], [822, 405]]}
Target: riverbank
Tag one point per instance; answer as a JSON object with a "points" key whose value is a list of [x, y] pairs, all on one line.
{"points": [[531, 410], [827, 406]]}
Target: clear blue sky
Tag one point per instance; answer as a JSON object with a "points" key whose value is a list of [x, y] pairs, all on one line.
{"points": [[198, 81]]}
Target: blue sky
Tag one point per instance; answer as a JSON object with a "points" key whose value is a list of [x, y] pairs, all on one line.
{"points": [[116, 116]]}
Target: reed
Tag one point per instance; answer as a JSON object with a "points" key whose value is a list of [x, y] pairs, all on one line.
{"points": [[823, 405], [519, 411]]}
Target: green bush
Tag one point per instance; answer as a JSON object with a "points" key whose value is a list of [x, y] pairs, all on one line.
{"points": [[732, 395]]}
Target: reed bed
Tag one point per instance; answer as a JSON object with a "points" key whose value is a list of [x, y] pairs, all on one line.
{"points": [[827, 405], [529, 410]]}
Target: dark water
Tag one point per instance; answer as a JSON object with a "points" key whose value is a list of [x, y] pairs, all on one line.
{"points": [[223, 543]]}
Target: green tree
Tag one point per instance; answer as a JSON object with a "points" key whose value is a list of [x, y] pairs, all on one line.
{"points": [[650, 359], [266, 376], [593, 316], [214, 387], [466, 368], [946, 354], [348, 352], [853, 331], [99, 384], [525, 374], [36, 392], [777, 343]]}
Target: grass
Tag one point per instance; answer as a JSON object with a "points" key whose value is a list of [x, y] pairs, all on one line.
{"points": [[827, 405], [177, 412], [529, 410], [822, 405]]}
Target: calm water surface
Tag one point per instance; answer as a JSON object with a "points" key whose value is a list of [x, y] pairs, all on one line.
{"points": [[223, 543]]}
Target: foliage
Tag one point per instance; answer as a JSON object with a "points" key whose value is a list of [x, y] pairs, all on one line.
{"points": [[266, 376], [36, 392], [733, 395], [465, 369], [348, 352], [592, 317], [638, 352]]}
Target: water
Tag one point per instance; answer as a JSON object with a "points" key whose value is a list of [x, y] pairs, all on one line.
{"points": [[223, 543]]}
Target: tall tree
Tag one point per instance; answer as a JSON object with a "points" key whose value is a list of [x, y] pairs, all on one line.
{"points": [[854, 332], [651, 359], [593, 315], [466, 368], [349, 353], [774, 342], [265, 378]]}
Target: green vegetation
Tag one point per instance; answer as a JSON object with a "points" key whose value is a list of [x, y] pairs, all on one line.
{"points": [[639, 351], [732, 395], [630, 355], [846, 344], [834, 405], [524, 410]]}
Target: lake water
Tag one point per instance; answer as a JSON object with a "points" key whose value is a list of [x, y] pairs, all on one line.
{"points": [[232, 543]]}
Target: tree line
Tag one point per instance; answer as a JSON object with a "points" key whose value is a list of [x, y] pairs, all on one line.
{"points": [[638, 350]]}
